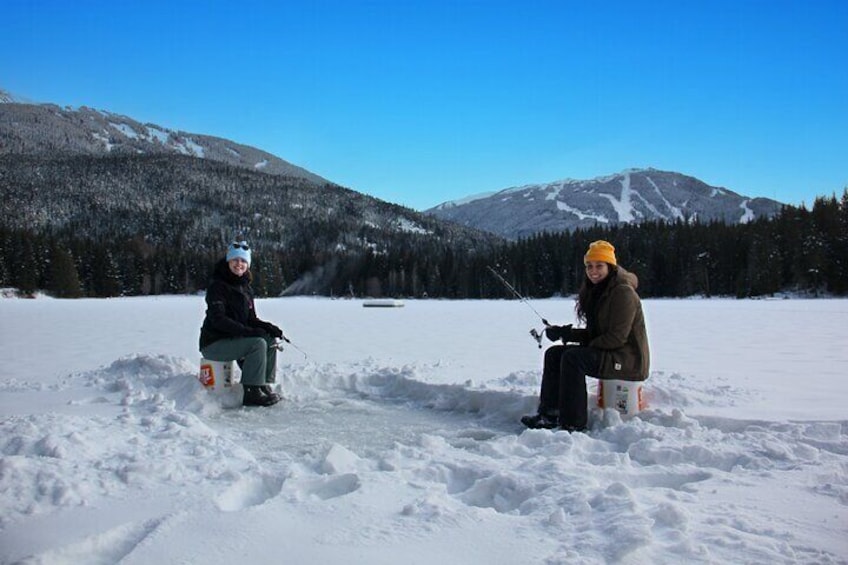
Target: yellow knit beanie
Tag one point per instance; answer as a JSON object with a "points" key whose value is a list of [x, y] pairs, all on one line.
{"points": [[600, 251]]}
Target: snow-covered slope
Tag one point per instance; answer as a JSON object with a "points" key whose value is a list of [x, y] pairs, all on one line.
{"points": [[630, 196], [48, 129], [6, 97]]}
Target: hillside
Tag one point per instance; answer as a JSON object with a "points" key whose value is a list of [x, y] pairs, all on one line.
{"points": [[148, 208], [47, 129], [166, 198]]}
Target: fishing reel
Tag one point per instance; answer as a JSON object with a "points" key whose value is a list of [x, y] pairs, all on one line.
{"points": [[278, 345], [537, 336]]}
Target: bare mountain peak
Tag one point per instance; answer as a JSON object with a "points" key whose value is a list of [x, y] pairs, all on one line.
{"points": [[632, 195]]}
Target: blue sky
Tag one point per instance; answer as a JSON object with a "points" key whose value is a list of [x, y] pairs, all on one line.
{"points": [[421, 102]]}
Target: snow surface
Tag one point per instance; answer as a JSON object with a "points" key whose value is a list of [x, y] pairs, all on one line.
{"points": [[673, 210], [125, 129], [193, 148], [580, 215], [747, 214], [408, 226], [398, 441], [158, 134]]}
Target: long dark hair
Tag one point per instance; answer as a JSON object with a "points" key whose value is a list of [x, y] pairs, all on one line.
{"points": [[589, 293]]}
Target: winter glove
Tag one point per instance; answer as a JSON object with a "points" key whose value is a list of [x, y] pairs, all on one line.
{"points": [[275, 332], [555, 333], [255, 332]]}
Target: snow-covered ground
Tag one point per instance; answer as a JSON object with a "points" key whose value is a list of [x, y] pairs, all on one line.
{"points": [[399, 442]]}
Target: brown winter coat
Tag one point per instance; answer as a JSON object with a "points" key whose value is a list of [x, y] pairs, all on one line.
{"points": [[620, 334]]}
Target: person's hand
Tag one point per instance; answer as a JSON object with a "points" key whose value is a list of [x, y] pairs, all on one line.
{"points": [[275, 332], [555, 333], [256, 332]]}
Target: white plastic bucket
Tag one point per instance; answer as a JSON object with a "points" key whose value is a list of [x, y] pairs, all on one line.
{"points": [[216, 374], [623, 396], [222, 379]]}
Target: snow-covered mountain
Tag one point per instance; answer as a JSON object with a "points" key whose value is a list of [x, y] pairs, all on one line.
{"points": [[6, 97], [94, 182], [636, 195], [50, 129]]}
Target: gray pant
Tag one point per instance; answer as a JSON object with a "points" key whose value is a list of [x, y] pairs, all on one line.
{"points": [[257, 359]]}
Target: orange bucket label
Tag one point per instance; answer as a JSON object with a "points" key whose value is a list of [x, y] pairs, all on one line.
{"points": [[207, 376]]}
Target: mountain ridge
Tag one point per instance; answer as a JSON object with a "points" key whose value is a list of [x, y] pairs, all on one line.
{"points": [[27, 128], [150, 206], [633, 195]]}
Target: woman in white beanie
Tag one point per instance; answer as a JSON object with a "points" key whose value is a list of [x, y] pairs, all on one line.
{"points": [[613, 345], [231, 330]]}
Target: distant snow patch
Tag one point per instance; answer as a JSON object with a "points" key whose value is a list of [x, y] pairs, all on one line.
{"points": [[408, 226], [194, 148], [554, 190], [104, 139], [261, 164], [675, 211], [747, 213], [125, 129], [622, 206], [157, 135], [583, 216]]}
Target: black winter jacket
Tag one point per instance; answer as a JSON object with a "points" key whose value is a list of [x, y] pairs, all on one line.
{"points": [[229, 309]]}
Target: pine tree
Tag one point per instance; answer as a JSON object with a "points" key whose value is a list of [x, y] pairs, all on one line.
{"points": [[63, 277]]}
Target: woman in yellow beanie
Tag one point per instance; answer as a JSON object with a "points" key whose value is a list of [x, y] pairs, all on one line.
{"points": [[612, 345]]}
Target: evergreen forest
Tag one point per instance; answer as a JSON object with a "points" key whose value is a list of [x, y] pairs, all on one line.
{"points": [[800, 250]]}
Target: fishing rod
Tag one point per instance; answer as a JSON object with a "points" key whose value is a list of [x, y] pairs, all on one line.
{"points": [[533, 332], [517, 294], [278, 345]]}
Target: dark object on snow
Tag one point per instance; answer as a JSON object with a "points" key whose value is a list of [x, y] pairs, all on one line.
{"points": [[383, 303], [268, 391], [254, 396], [540, 422]]}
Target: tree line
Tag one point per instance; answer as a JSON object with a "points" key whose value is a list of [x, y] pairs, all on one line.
{"points": [[799, 250]]}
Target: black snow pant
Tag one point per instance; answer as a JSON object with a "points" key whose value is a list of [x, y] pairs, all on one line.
{"points": [[564, 383]]}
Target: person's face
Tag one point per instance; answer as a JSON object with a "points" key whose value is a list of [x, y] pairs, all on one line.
{"points": [[238, 266], [597, 271]]}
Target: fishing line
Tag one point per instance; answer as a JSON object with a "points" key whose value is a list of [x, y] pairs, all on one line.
{"points": [[537, 335], [517, 294], [278, 345]]}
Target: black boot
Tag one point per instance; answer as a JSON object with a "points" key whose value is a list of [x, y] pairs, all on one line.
{"points": [[268, 391], [540, 421], [253, 397]]}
